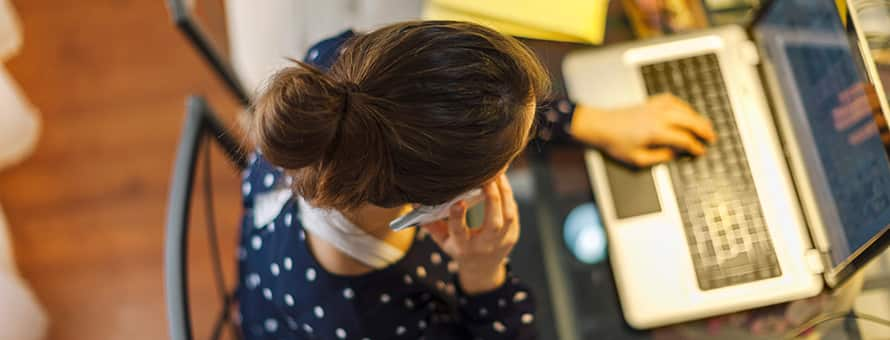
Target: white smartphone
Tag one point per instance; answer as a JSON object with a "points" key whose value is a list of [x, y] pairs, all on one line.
{"points": [[430, 213]]}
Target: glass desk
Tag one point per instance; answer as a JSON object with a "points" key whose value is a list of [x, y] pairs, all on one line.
{"points": [[578, 300]]}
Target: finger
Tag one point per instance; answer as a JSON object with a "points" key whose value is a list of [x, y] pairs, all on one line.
{"points": [[683, 116], [509, 209], [649, 157], [508, 212], [852, 92], [438, 231], [494, 218], [680, 139], [852, 113], [457, 223]]}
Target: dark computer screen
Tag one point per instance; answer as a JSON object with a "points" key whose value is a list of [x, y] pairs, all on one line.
{"points": [[833, 112]]}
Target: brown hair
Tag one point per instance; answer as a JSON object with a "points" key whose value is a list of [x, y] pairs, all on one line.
{"points": [[415, 112]]}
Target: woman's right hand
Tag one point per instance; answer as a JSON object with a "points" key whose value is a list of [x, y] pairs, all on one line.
{"points": [[481, 253], [646, 134]]}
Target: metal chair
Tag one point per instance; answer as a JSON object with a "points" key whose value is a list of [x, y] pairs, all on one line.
{"points": [[200, 129], [193, 31]]}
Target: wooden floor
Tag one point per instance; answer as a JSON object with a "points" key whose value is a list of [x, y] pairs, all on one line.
{"points": [[87, 208]]}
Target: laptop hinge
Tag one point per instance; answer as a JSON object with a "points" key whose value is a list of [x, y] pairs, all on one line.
{"points": [[815, 261]]}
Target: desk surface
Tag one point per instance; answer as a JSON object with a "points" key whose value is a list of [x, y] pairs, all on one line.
{"points": [[577, 300]]}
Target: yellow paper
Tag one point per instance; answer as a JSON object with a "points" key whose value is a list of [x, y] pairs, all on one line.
{"points": [[842, 9], [562, 20]]}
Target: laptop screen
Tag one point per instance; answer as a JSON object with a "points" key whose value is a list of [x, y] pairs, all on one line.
{"points": [[834, 117]]}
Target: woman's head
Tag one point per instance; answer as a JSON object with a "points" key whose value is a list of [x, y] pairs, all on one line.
{"points": [[416, 112]]}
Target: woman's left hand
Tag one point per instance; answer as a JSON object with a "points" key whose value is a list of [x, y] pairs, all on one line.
{"points": [[481, 252]]}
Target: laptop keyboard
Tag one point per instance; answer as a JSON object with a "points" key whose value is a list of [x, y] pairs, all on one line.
{"points": [[722, 217]]}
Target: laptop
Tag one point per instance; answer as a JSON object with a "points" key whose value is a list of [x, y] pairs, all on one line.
{"points": [[794, 196]]}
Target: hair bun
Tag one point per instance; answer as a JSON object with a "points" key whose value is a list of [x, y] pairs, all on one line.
{"points": [[296, 117]]}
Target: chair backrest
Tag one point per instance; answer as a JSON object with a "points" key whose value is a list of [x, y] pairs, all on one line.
{"points": [[185, 21], [200, 125]]}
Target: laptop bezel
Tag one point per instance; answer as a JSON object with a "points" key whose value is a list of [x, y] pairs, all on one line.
{"points": [[839, 274]]}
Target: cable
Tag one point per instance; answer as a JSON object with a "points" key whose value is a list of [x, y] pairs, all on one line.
{"points": [[799, 330]]}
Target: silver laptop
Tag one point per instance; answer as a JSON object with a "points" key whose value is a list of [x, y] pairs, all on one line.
{"points": [[793, 197]]}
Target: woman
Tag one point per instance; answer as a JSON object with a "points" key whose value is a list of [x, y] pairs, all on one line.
{"points": [[412, 113]]}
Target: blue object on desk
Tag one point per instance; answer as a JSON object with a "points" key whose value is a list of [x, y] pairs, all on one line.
{"points": [[584, 235]]}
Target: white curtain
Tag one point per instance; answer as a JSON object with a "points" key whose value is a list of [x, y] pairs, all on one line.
{"points": [[263, 33]]}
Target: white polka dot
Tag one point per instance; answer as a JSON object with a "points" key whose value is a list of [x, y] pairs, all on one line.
{"points": [[452, 267], [271, 227], [408, 279], [527, 318], [519, 296], [256, 242], [271, 325], [502, 303], [341, 333], [435, 258], [288, 218], [440, 285], [450, 290], [251, 157], [274, 269], [307, 328], [421, 272], [268, 180], [421, 324], [313, 54], [245, 188], [288, 263], [348, 293], [288, 299], [252, 280], [267, 293], [302, 235], [483, 311], [409, 303], [310, 274], [292, 324], [319, 312], [498, 327], [384, 298], [400, 330]]}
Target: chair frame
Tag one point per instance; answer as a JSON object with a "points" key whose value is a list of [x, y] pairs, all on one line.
{"points": [[193, 31], [200, 124]]}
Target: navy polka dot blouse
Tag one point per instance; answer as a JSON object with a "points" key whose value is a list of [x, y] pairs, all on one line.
{"points": [[285, 294]]}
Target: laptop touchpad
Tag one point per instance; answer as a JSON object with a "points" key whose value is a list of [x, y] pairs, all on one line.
{"points": [[633, 191]]}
